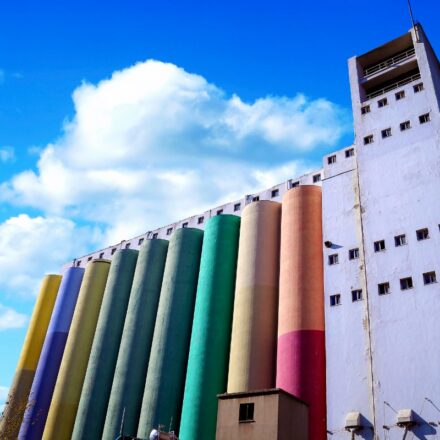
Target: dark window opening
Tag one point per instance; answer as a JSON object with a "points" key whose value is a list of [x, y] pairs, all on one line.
{"points": [[424, 118], [316, 178], [333, 259], [356, 295], [368, 139], [353, 254], [140, 241], [200, 220], [185, 225], [418, 88], [237, 207], [219, 211], [335, 300], [246, 413], [383, 288], [405, 125], [400, 95], [275, 193], [113, 251], [400, 240], [422, 234], [379, 246], [349, 152], [429, 278], [155, 235], [382, 102], [386, 133], [406, 283], [365, 109], [331, 159]]}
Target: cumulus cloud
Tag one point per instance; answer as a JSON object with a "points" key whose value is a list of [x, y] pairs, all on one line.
{"points": [[10, 318], [7, 154], [33, 246], [155, 143]]}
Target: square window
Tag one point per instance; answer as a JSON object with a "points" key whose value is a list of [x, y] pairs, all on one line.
{"points": [[429, 278], [405, 125], [424, 118], [368, 139], [127, 246], [113, 251], [78, 263], [335, 300], [422, 234], [140, 241], [406, 283], [155, 235], [379, 246], [169, 231], [365, 109], [185, 225], [220, 212], [400, 240], [200, 220], [237, 207], [349, 152], [275, 193], [400, 95], [294, 184], [101, 255], [386, 133], [316, 178], [333, 259], [382, 102], [383, 288], [246, 412], [331, 159], [89, 259], [256, 198], [356, 295], [418, 87], [353, 254]]}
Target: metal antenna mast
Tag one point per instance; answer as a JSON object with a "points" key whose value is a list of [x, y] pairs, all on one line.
{"points": [[413, 21]]}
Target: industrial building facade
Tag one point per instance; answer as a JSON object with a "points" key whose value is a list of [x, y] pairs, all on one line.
{"points": [[315, 300]]}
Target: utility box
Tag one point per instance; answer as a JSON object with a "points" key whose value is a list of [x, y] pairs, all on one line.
{"points": [[405, 418], [353, 421]]}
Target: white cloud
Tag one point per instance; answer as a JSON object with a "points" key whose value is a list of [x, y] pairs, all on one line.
{"points": [[7, 154], [10, 318], [154, 143], [31, 247]]}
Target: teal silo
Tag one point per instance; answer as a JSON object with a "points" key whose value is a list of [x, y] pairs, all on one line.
{"points": [[95, 393], [163, 393], [211, 332], [134, 352]]}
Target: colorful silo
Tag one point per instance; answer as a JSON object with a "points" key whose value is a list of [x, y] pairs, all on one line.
{"points": [[301, 342], [12, 417], [253, 342], [67, 392], [95, 393], [134, 352], [210, 338], [51, 355], [164, 385]]}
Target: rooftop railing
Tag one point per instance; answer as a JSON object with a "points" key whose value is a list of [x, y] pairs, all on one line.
{"points": [[390, 62], [393, 86]]}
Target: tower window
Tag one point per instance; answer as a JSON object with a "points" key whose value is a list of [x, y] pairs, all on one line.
{"points": [[400, 95], [400, 240], [386, 133], [335, 300], [429, 278], [169, 231], [89, 259], [127, 246], [424, 118], [185, 225], [333, 259], [418, 87], [422, 234], [349, 152], [379, 246], [382, 102], [113, 251], [275, 193], [219, 211], [78, 263], [140, 241], [365, 109], [383, 288], [316, 178], [294, 184], [155, 235], [246, 412], [101, 255], [368, 139], [237, 207], [353, 254], [406, 283], [405, 125], [331, 159], [200, 220], [356, 295], [256, 198]]}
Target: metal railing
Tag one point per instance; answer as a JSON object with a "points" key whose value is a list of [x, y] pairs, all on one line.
{"points": [[390, 62], [394, 86]]}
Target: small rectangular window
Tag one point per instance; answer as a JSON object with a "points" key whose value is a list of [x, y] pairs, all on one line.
{"points": [[418, 87], [113, 251], [365, 109], [275, 193], [349, 152], [400, 95], [405, 125], [219, 211], [333, 259], [353, 254], [386, 133], [140, 241], [356, 295], [101, 255], [379, 246], [429, 278], [383, 288], [246, 412], [89, 259], [368, 139], [382, 102], [422, 234], [185, 225], [400, 240], [127, 246], [200, 220], [237, 207], [155, 235], [424, 118], [331, 159], [316, 178], [256, 198], [169, 231], [294, 185], [78, 263], [406, 283], [335, 300]]}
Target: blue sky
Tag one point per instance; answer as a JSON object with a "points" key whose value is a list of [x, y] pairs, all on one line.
{"points": [[98, 144]]}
